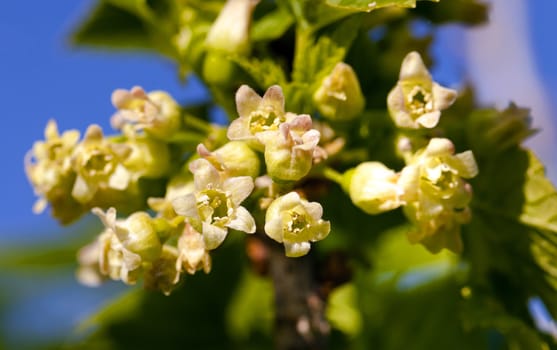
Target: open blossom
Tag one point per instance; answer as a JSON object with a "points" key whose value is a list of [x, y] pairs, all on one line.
{"points": [[155, 112], [416, 101], [295, 222], [107, 256], [98, 163], [436, 194], [48, 165], [214, 206], [289, 151], [257, 114]]}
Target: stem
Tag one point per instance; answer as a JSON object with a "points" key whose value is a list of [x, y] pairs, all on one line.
{"points": [[196, 123], [299, 310], [333, 175]]}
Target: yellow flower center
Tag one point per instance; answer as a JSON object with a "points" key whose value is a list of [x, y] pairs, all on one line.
{"points": [[262, 121], [419, 101]]}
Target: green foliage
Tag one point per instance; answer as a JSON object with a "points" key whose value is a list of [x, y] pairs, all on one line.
{"points": [[367, 6]]}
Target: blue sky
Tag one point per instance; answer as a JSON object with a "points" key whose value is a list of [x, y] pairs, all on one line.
{"points": [[42, 77]]}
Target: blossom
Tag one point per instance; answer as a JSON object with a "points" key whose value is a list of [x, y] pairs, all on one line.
{"points": [[214, 206], [416, 101], [374, 188], [192, 255], [295, 222], [155, 112], [339, 96], [162, 274], [137, 233], [48, 165], [98, 164], [257, 114], [290, 150], [436, 194]]}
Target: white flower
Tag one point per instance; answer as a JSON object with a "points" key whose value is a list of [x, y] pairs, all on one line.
{"points": [[416, 101], [295, 222], [192, 254], [215, 203]]}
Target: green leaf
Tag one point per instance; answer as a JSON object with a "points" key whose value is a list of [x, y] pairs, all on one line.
{"points": [[112, 26], [265, 72], [370, 5], [272, 26], [512, 239]]}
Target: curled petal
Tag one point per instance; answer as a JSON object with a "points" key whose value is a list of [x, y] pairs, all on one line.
{"points": [[243, 221], [213, 235], [295, 250]]}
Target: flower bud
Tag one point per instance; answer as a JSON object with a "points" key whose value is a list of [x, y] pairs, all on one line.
{"points": [[156, 112], [235, 158], [230, 31], [162, 274], [148, 157], [339, 98], [374, 188], [137, 233], [289, 151]]}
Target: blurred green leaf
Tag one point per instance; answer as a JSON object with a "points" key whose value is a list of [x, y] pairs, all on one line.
{"points": [[272, 26], [265, 72], [369, 5], [512, 239]]}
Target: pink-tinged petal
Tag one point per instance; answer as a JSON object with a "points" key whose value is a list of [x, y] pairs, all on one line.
{"points": [[273, 228], [413, 67], [93, 133], [429, 120], [274, 98], [247, 101], [301, 122], [442, 96], [295, 250], [239, 187], [204, 174], [310, 140], [314, 209], [213, 235], [120, 98], [186, 205], [243, 221], [203, 151]]}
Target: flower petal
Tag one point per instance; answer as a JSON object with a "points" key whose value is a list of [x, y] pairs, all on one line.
{"points": [[295, 250], [186, 205], [239, 187], [213, 235], [413, 67], [243, 221], [247, 101]]}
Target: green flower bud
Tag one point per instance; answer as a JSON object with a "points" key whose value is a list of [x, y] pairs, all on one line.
{"points": [[235, 158], [416, 101], [289, 151], [230, 31], [339, 97], [148, 158], [295, 222], [137, 233], [374, 188]]}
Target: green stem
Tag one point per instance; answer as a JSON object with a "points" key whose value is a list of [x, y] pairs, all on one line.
{"points": [[333, 175], [198, 124]]}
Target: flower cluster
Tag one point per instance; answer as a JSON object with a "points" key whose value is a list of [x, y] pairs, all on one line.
{"points": [[254, 179]]}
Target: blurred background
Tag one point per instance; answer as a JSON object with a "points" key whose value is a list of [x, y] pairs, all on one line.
{"points": [[43, 77]]}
